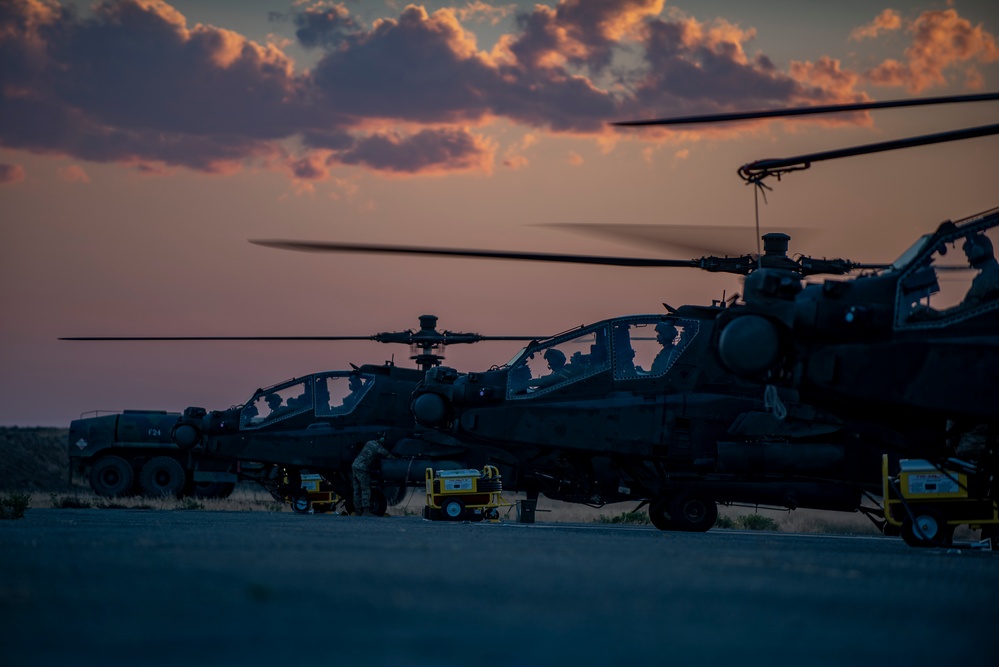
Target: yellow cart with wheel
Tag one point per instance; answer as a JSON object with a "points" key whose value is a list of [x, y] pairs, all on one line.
{"points": [[319, 496], [926, 502], [464, 495]]}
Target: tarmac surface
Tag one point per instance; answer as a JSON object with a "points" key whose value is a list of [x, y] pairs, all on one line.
{"points": [[116, 587]]}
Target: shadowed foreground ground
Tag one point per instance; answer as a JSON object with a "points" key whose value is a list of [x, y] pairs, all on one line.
{"points": [[116, 587]]}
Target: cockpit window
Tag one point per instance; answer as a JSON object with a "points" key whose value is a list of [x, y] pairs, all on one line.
{"points": [[277, 403], [649, 346], [338, 393], [958, 279], [563, 361]]}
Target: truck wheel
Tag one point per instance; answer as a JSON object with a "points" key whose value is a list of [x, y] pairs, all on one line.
{"points": [[659, 515], [693, 512], [453, 509], [111, 476], [162, 476]]}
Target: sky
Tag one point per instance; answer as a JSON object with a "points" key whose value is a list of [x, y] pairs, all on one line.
{"points": [[143, 143]]}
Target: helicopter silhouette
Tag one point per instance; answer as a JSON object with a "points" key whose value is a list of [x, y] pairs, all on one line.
{"points": [[318, 423], [856, 368]]}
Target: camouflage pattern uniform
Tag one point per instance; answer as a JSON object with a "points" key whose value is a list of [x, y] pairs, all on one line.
{"points": [[361, 468]]}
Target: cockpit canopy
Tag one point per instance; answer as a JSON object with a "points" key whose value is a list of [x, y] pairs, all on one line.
{"points": [[950, 276], [634, 347], [329, 394]]}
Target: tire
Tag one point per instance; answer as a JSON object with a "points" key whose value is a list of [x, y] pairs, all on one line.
{"points": [[452, 509], [301, 504], [378, 503], [693, 512], [394, 494], [934, 531], [162, 476], [213, 489], [659, 515], [111, 476]]}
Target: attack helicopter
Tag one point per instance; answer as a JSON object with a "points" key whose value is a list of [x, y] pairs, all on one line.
{"points": [[853, 370], [912, 349], [317, 423], [637, 408]]}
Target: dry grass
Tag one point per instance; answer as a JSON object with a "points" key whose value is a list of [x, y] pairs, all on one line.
{"points": [[246, 498]]}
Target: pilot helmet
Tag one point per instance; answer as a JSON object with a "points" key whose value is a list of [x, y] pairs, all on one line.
{"points": [[978, 248], [554, 356], [667, 329]]}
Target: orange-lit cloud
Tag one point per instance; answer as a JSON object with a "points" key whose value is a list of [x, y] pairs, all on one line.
{"points": [[74, 173], [427, 151], [886, 21], [480, 11], [11, 173], [941, 41], [132, 82]]}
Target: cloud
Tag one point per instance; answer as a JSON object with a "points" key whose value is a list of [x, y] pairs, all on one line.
{"points": [[74, 173], [426, 151], [886, 21], [323, 26], [132, 82], [696, 67], [11, 173], [941, 41], [480, 11], [578, 32]]}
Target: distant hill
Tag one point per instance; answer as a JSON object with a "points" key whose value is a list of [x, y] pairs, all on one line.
{"points": [[34, 459]]}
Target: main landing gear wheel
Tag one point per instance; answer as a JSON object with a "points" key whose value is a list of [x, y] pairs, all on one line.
{"points": [[693, 512], [929, 530], [378, 503], [162, 476], [453, 509], [111, 476], [659, 515], [394, 494]]}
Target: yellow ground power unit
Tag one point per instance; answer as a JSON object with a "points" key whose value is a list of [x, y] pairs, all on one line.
{"points": [[319, 496], [464, 495], [927, 502]]}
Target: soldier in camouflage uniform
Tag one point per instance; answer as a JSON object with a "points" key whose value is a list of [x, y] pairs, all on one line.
{"points": [[371, 453]]}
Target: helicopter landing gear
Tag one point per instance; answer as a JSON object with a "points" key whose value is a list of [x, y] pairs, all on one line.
{"points": [[378, 503], [693, 512]]}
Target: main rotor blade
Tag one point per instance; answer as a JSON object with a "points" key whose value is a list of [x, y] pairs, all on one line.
{"points": [[220, 338], [705, 240], [812, 110], [317, 246], [447, 338], [760, 168]]}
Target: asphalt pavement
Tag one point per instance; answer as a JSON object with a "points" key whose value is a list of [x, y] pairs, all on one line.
{"points": [[117, 587]]}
